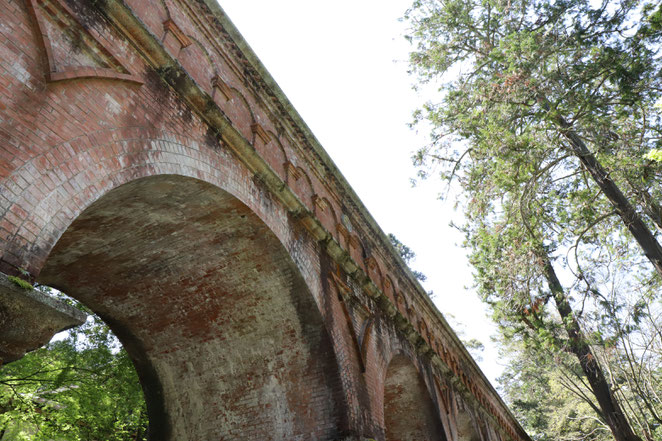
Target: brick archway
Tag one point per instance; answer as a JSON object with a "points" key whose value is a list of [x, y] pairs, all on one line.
{"points": [[225, 334], [409, 412]]}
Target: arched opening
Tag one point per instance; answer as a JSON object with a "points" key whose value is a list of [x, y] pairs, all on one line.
{"points": [[409, 412], [225, 336], [80, 386]]}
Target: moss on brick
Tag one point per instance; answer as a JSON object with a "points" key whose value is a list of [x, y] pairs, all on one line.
{"points": [[20, 282]]}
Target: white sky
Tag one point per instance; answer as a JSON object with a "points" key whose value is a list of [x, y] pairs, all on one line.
{"points": [[343, 66]]}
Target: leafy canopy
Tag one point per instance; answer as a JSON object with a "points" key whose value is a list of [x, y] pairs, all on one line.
{"points": [[511, 82], [83, 387]]}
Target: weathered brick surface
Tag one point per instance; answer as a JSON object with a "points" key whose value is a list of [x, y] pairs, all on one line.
{"points": [[408, 416], [150, 167], [212, 301]]}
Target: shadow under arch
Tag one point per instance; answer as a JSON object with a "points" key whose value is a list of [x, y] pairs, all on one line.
{"points": [[226, 337], [409, 412]]}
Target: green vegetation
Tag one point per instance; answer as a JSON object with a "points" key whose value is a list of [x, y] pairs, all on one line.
{"points": [[408, 255], [654, 155], [83, 387], [543, 115], [20, 282]]}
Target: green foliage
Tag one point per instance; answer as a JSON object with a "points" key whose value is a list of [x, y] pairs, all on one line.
{"points": [[511, 79], [407, 255], [547, 397], [83, 387], [654, 155], [20, 282], [548, 394]]}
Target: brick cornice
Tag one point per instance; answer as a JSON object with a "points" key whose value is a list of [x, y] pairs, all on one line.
{"points": [[88, 38]]}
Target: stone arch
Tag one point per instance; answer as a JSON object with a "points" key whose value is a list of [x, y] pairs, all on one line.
{"points": [[53, 192], [91, 166], [409, 412], [219, 321]]}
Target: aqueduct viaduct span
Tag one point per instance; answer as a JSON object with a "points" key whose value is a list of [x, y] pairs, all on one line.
{"points": [[151, 168]]}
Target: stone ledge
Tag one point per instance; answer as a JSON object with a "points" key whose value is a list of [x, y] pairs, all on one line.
{"points": [[30, 318]]}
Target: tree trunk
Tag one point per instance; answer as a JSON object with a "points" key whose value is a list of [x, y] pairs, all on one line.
{"points": [[611, 410], [650, 206], [625, 210]]}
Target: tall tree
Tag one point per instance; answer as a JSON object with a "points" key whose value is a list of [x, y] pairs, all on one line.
{"points": [[547, 391], [545, 111], [550, 402], [579, 75]]}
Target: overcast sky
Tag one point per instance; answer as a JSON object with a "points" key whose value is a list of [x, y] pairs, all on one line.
{"points": [[343, 66]]}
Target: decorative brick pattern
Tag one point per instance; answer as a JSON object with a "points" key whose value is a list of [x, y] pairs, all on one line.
{"points": [[170, 26], [262, 134], [224, 90], [72, 50]]}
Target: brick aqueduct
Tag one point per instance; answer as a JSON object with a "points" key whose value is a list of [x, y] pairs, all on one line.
{"points": [[151, 168]]}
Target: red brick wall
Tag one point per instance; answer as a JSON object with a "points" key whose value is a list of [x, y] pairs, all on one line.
{"points": [[206, 297], [409, 412]]}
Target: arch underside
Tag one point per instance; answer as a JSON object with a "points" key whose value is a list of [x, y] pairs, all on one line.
{"points": [[224, 332], [409, 412]]}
